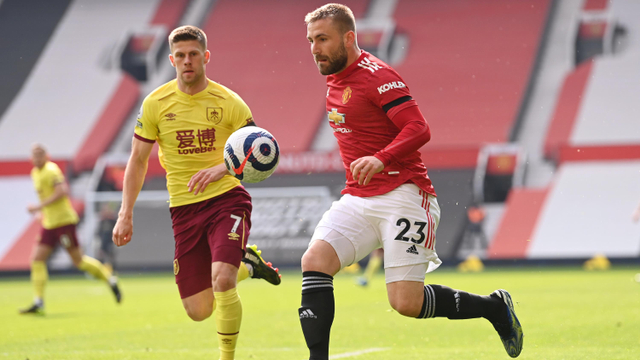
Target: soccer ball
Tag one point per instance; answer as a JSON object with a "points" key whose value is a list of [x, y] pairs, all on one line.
{"points": [[251, 154]]}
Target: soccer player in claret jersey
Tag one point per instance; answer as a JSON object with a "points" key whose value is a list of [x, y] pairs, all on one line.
{"points": [[191, 117], [59, 221], [388, 200]]}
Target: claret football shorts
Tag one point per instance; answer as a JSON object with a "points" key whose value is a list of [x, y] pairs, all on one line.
{"points": [[403, 222], [63, 235], [212, 230]]}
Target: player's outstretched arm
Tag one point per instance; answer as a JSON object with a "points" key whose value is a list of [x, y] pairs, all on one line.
{"points": [[60, 190], [202, 178], [133, 180]]}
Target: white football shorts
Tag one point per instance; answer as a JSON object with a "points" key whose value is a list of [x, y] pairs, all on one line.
{"points": [[403, 222]]}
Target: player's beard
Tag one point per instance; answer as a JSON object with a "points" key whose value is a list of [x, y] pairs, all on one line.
{"points": [[337, 62]]}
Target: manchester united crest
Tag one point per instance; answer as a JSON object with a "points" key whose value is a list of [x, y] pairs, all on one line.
{"points": [[346, 95], [214, 114], [176, 267]]}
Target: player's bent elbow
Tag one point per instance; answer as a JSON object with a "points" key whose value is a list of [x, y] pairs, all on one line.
{"points": [[426, 134]]}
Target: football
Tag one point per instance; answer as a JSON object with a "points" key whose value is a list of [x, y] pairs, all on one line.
{"points": [[251, 154]]}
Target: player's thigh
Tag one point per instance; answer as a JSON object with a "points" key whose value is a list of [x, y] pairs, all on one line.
{"points": [[229, 229], [192, 269], [345, 228], [41, 252]]}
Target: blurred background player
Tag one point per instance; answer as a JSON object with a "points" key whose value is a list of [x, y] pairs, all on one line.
{"points": [[59, 221], [191, 117], [388, 200], [373, 265], [105, 251]]}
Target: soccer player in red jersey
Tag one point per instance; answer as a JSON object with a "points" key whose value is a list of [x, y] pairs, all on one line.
{"points": [[191, 118], [388, 200]]}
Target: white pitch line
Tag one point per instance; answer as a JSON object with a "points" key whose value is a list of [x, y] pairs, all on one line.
{"points": [[357, 353]]}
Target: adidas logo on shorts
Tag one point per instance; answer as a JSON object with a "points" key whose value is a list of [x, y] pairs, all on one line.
{"points": [[307, 314], [412, 250]]}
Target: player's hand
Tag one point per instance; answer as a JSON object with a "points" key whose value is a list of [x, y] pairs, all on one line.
{"points": [[636, 215], [364, 168], [123, 231], [33, 209], [202, 178]]}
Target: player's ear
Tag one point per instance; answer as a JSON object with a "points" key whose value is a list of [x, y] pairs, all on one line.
{"points": [[173, 63], [349, 38], [207, 56]]}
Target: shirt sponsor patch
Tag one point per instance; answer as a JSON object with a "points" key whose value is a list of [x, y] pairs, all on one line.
{"points": [[392, 85], [138, 124]]}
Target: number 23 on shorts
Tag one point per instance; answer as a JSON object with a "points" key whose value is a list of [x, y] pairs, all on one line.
{"points": [[424, 230]]}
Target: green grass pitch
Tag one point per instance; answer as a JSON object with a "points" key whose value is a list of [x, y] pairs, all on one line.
{"points": [[566, 314]]}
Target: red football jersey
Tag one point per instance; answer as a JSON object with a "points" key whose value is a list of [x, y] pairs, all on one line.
{"points": [[361, 101]]}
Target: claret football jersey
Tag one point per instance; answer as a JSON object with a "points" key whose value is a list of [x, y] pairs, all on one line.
{"points": [[361, 101], [191, 131]]}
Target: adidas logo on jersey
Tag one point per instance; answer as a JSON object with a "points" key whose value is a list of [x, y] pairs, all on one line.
{"points": [[392, 85], [412, 250], [369, 65], [307, 314]]}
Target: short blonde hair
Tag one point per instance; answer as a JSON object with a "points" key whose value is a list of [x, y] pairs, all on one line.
{"points": [[341, 15]]}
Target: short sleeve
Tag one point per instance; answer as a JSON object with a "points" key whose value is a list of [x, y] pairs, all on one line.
{"points": [[389, 92], [146, 126], [240, 113], [54, 175]]}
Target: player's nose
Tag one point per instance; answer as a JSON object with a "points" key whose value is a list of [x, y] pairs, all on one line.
{"points": [[315, 49]]}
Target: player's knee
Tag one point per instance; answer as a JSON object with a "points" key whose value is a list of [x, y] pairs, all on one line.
{"points": [[199, 313], [223, 281], [308, 261], [321, 260]]}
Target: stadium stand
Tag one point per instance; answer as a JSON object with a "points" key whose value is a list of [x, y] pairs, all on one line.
{"points": [[23, 48], [468, 65], [587, 211], [595, 142], [592, 118], [80, 97], [68, 89]]}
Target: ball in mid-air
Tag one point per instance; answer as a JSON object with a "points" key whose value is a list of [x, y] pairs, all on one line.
{"points": [[251, 154]]}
